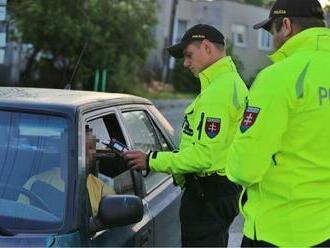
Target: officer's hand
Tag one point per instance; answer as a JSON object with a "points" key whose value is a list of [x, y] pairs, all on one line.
{"points": [[135, 159]]}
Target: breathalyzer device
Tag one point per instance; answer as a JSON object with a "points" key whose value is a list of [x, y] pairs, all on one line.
{"points": [[116, 146]]}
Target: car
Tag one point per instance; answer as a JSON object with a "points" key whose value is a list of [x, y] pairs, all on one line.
{"points": [[44, 130]]}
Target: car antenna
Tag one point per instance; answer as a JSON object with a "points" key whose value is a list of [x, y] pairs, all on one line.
{"points": [[76, 67]]}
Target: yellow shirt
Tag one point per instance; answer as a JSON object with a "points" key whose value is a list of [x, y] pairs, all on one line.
{"points": [[97, 190]]}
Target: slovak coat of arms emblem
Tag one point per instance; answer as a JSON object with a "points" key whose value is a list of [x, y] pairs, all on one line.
{"points": [[212, 127], [250, 116]]}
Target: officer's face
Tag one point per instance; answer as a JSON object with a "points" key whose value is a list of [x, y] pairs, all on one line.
{"points": [[195, 58]]}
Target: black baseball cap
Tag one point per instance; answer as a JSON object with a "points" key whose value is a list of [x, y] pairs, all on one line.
{"points": [[292, 8], [195, 33]]}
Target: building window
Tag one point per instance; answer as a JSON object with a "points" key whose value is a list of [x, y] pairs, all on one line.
{"points": [[265, 40], [2, 39], [239, 35], [182, 27]]}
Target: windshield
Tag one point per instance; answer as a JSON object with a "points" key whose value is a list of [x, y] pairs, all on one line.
{"points": [[33, 169]]}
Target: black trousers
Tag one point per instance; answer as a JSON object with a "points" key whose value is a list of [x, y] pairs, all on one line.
{"points": [[208, 207], [246, 242]]}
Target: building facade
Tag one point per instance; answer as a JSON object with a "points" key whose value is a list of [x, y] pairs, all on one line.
{"points": [[10, 52], [234, 19]]}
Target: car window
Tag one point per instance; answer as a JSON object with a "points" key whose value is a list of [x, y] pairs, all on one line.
{"points": [[141, 131], [162, 141], [164, 123], [146, 137], [33, 170], [101, 132], [110, 167]]}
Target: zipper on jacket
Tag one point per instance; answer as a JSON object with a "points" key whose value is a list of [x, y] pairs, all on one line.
{"points": [[200, 125]]}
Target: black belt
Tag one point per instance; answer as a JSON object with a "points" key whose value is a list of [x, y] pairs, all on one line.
{"points": [[213, 185]]}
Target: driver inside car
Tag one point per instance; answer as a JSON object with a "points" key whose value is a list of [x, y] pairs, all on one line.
{"points": [[97, 189], [53, 178]]}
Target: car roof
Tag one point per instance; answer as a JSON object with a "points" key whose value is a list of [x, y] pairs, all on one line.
{"points": [[61, 100]]}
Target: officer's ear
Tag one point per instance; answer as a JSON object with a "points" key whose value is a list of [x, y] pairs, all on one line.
{"points": [[287, 27], [207, 46]]}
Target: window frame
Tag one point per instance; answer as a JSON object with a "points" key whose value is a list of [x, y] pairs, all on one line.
{"points": [[156, 126], [156, 132], [181, 28], [97, 114], [87, 117], [152, 118], [235, 34], [261, 46]]}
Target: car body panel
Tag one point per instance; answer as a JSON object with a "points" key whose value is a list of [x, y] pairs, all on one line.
{"points": [[160, 224]]}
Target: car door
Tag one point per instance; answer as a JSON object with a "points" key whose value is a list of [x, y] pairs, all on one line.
{"points": [[162, 196], [112, 171]]}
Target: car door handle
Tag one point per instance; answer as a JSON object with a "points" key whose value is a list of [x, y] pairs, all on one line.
{"points": [[144, 238]]}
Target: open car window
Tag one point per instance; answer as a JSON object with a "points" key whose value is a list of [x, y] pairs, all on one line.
{"points": [[110, 167], [141, 133]]}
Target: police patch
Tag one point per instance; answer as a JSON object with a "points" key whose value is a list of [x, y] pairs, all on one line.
{"points": [[250, 116], [212, 126]]}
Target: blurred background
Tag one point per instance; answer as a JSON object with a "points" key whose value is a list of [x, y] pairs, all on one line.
{"points": [[119, 45]]}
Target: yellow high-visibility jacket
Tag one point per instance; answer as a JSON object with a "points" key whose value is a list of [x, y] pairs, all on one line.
{"points": [[210, 124], [281, 153]]}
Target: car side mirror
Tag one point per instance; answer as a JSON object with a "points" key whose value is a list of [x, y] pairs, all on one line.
{"points": [[117, 210]]}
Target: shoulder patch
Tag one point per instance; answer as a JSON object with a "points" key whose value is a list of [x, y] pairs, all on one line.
{"points": [[250, 116], [212, 126]]}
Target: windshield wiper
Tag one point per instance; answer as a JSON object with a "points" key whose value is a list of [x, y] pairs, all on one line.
{"points": [[5, 232]]}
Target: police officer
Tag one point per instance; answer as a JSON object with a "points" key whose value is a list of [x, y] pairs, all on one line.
{"points": [[209, 202], [281, 153]]}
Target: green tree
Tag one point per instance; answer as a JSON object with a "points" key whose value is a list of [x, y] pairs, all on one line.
{"points": [[265, 3], [183, 80], [117, 34], [255, 2]]}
